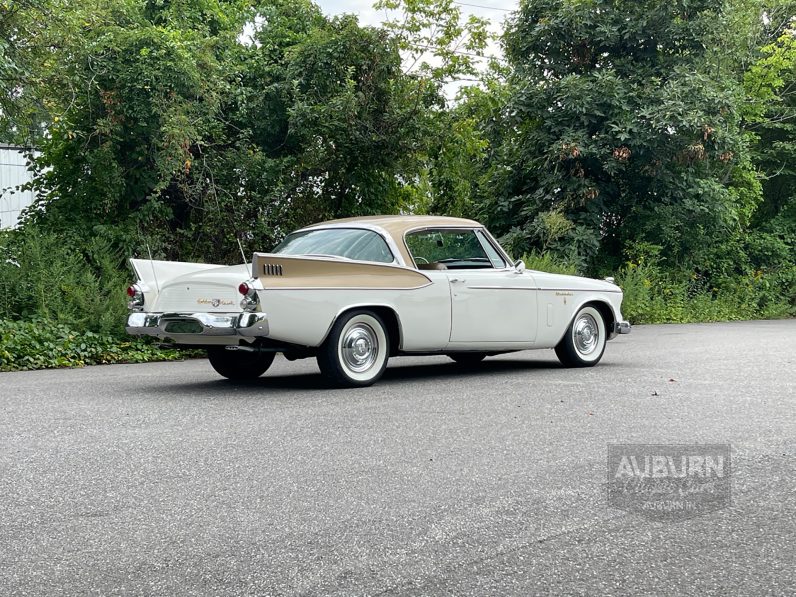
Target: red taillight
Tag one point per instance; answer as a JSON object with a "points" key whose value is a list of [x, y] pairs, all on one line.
{"points": [[244, 288], [136, 294]]}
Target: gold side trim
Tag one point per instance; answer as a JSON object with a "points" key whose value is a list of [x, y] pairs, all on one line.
{"points": [[328, 272]]}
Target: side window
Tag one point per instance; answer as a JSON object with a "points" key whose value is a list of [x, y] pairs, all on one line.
{"points": [[351, 243], [497, 261], [447, 249]]}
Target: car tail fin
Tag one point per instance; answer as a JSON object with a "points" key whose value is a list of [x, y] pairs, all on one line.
{"points": [[155, 273]]}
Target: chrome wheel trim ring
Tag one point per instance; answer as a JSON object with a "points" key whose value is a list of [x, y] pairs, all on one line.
{"points": [[586, 334], [359, 348]]}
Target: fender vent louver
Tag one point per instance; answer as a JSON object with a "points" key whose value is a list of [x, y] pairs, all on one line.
{"points": [[272, 269]]}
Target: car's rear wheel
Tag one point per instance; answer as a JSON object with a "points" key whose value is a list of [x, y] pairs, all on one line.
{"points": [[468, 358], [356, 351], [583, 344], [237, 364]]}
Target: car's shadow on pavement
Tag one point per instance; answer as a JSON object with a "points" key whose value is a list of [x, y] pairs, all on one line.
{"points": [[395, 374], [440, 370]]}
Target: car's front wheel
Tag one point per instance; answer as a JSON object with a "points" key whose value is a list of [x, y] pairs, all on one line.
{"points": [[237, 364], [584, 342], [356, 351]]}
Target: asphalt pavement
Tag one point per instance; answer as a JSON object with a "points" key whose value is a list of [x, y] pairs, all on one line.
{"points": [[164, 479]]}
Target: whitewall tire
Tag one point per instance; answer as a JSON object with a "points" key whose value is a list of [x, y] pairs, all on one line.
{"points": [[356, 351], [583, 343]]}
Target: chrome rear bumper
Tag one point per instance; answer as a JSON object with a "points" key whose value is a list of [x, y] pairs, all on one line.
{"points": [[622, 327], [164, 325]]}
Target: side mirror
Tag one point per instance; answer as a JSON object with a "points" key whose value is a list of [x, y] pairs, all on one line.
{"points": [[519, 265]]}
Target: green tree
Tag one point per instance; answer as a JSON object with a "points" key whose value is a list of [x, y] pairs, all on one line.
{"points": [[438, 43], [442, 49], [616, 127], [21, 31], [172, 130], [462, 149], [770, 86]]}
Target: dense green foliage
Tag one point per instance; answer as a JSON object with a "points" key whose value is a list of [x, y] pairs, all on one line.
{"points": [[41, 277], [171, 132], [63, 306], [631, 131], [653, 141], [42, 344], [620, 133]]}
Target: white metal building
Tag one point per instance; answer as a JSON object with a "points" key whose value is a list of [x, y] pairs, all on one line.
{"points": [[13, 173]]}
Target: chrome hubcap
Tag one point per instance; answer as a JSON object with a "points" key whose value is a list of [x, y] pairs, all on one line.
{"points": [[586, 334], [360, 347]]}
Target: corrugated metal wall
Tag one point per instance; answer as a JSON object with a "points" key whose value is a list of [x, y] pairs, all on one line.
{"points": [[13, 173]]}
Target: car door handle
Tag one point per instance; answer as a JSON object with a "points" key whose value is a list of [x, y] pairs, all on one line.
{"points": [[458, 280]]}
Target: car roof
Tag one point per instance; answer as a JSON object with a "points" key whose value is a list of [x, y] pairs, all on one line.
{"points": [[397, 225]]}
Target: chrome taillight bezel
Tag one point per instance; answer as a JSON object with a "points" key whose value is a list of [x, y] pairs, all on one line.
{"points": [[250, 300], [136, 294]]}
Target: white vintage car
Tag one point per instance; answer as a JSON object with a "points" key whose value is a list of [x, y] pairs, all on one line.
{"points": [[354, 292]]}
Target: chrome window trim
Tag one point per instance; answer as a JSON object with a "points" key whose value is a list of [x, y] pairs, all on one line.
{"points": [[484, 240], [391, 244], [488, 235], [501, 252]]}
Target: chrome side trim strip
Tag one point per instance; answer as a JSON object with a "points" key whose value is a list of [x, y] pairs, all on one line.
{"points": [[501, 288], [577, 290]]}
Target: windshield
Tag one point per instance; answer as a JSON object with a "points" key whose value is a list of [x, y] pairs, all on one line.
{"points": [[350, 243]]}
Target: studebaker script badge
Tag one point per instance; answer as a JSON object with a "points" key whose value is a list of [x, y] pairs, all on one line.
{"points": [[214, 302]]}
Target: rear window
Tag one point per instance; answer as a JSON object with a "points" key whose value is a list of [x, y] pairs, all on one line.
{"points": [[350, 243]]}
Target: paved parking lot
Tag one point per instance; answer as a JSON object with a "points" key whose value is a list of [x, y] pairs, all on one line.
{"points": [[164, 479]]}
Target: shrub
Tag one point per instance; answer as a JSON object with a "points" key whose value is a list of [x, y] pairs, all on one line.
{"points": [[652, 295], [549, 262], [41, 344], [61, 306], [45, 277]]}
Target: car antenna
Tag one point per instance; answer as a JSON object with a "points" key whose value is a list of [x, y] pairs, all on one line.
{"points": [[243, 256], [152, 265]]}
